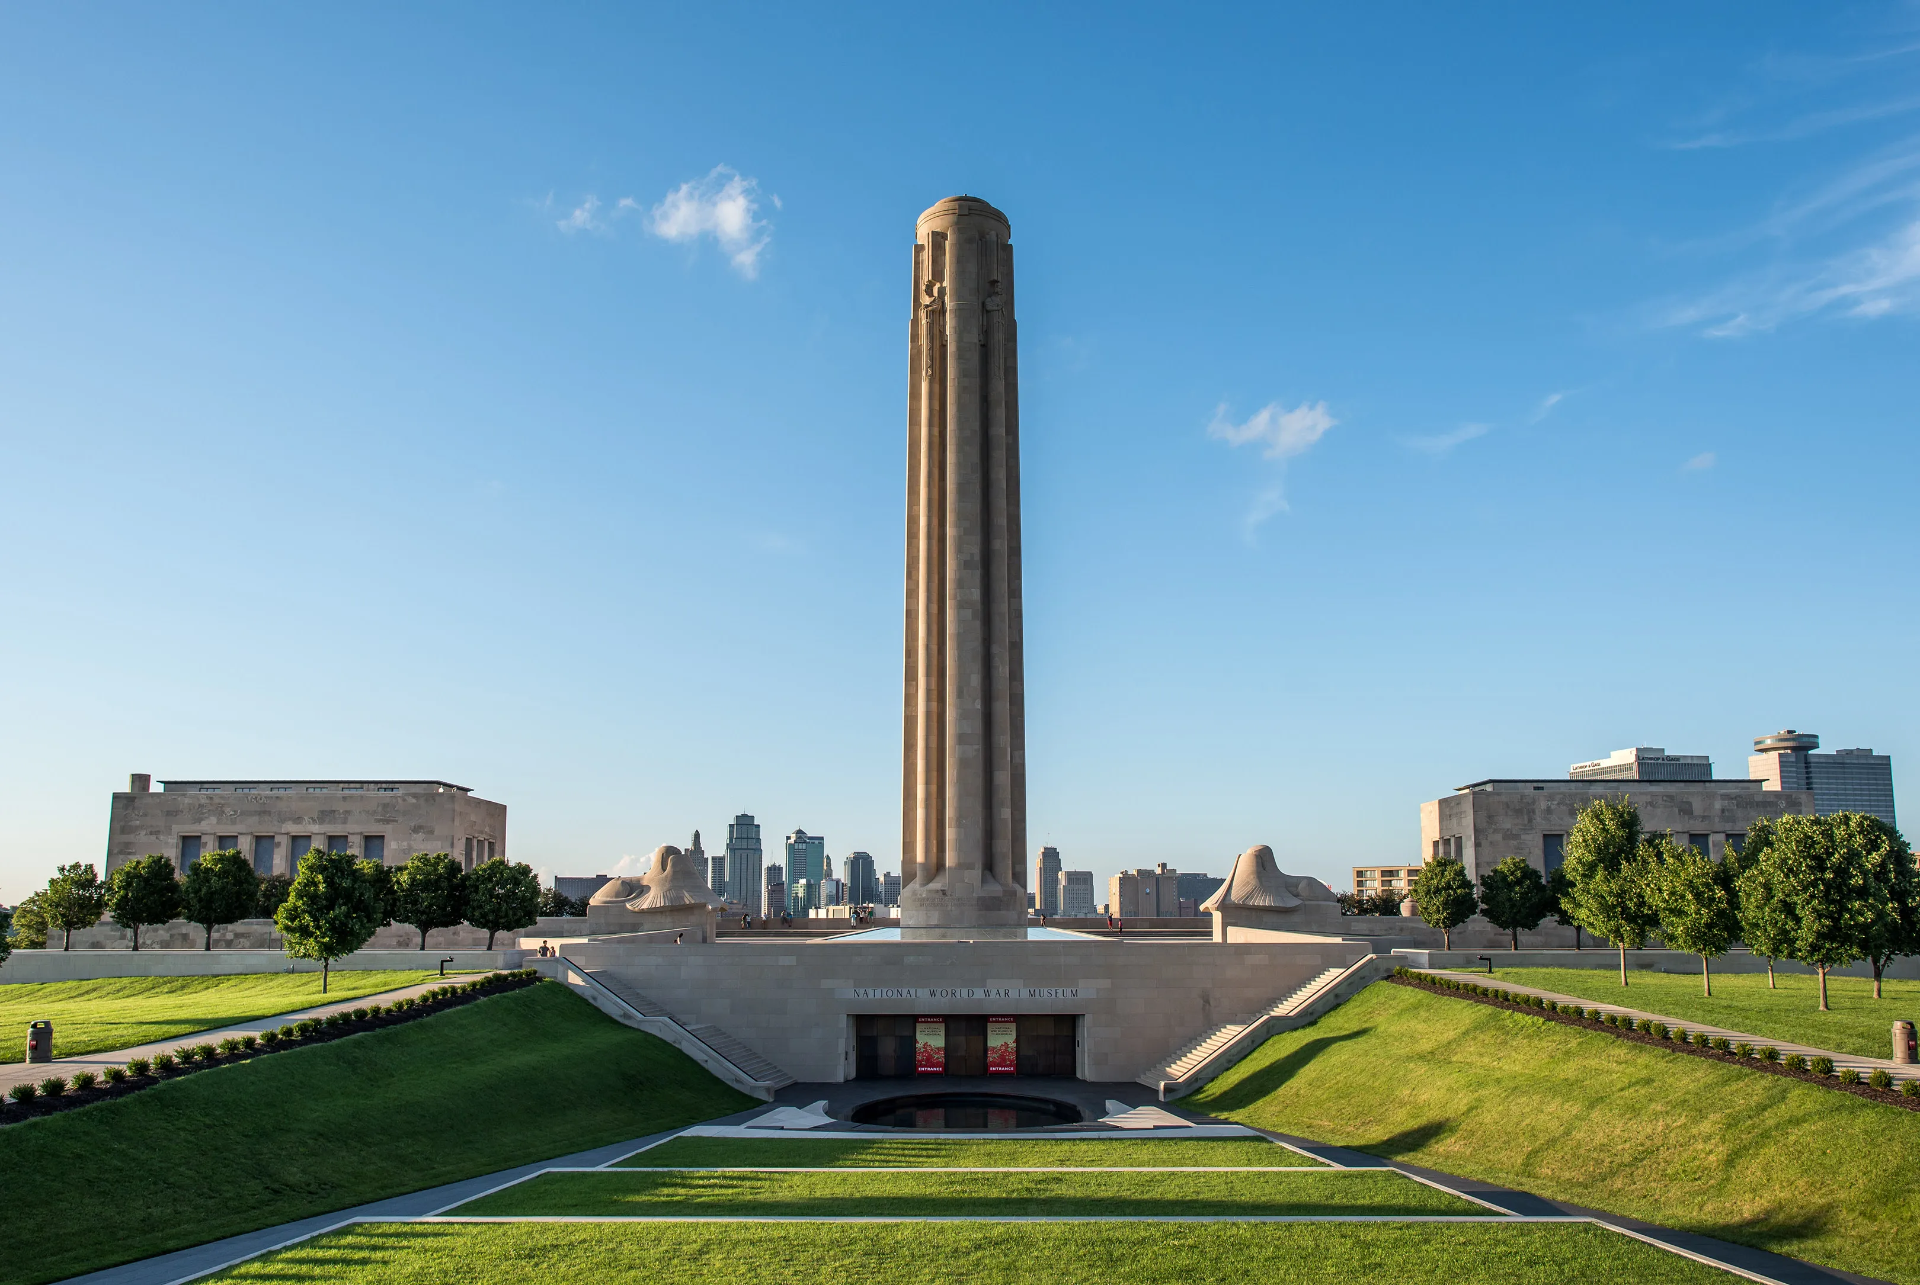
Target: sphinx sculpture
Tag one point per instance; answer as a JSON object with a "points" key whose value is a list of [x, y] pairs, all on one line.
{"points": [[671, 896], [1259, 895]]}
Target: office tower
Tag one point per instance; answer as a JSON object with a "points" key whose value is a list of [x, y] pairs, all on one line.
{"points": [[1046, 880], [713, 870], [1644, 763], [773, 895], [806, 859], [863, 886], [745, 884], [1843, 781], [1076, 894], [1145, 894], [890, 888], [963, 761]]}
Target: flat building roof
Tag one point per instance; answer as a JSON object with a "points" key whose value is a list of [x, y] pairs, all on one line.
{"points": [[1606, 783], [246, 783]]}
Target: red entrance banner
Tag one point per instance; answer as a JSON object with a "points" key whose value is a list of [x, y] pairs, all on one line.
{"points": [[930, 1045], [1002, 1046]]}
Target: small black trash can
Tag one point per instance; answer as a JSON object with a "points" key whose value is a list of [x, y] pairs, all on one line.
{"points": [[39, 1041]]}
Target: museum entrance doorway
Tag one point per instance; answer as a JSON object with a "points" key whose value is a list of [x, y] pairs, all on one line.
{"points": [[890, 1046]]}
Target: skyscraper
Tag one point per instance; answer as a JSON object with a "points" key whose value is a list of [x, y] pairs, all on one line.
{"points": [[963, 803], [1843, 781], [1076, 894], [806, 858], [1046, 880], [713, 870], [773, 895], [863, 886], [890, 888], [744, 883]]}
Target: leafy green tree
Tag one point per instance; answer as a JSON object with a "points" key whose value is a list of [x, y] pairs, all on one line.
{"points": [[1693, 895], [502, 897], [1604, 868], [1513, 896], [1559, 887], [30, 923], [554, 902], [1766, 923], [331, 911], [6, 934], [220, 888], [1894, 929], [74, 898], [143, 892], [430, 892], [380, 875], [273, 895], [1823, 884], [1443, 895]]}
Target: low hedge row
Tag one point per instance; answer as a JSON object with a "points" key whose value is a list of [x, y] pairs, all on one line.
{"points": [[58, 1093], [1878, 1087]]}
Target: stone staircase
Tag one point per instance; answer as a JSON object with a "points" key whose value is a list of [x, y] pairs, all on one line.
{"points": [[1203, 1059], [705, 1043]]}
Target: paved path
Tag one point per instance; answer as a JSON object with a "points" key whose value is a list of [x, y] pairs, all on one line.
{"points": [[1864, 1065], [12, 1073]]}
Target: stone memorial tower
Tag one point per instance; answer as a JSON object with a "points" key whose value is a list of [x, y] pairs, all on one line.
{"points": [[964, 759]]}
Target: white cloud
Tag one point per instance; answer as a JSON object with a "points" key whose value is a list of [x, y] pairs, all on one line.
{"points": [[630, 865], [1877, 280], [1285, 433], [1545, 407], [724, 205], [1441, 443], [583, 218], [1704, 460]]}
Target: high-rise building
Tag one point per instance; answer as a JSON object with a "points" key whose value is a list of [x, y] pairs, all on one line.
{"points": [[1198, 887], [1644, 763], [1046, 880], [890, 888], [713, 870], [773, 896], [963, 767], [863, 886], [1843, 781], [1076, 894], [1145, 894], [744, 881], [806, 859]]}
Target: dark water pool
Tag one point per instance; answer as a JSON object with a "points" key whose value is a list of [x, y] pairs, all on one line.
{"points": [[966, 1111]]}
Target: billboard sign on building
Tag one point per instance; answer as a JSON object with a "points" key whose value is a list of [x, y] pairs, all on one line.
{"points": [[1002, 1046], [930, 1045]]}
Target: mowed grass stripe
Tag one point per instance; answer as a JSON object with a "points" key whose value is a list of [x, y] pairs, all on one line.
{"points": [[899, 1153], [921, 1194], [980, 1254]]}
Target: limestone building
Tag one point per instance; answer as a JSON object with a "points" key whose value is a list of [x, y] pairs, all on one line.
{"points": [[1076, 894], [1644, 763], [278, 822], [1482, 823], [1145, 894], [963, 762], [1843, 781]]}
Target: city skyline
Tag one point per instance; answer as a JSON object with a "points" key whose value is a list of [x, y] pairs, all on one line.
{"points": [[375, 387]]}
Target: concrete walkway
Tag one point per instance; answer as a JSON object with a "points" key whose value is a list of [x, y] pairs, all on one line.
{"points": [[12, 1073], [1864, 1065]]}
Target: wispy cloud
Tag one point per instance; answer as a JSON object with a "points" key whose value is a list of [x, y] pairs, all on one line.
{"points": [[584, 217], [1876, 280], [1803, 127], [1704, 460], [1545, 408], [724, 205], [1441, 443], [1285, 434]]}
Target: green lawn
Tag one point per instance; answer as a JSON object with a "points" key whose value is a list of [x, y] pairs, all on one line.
{"points": [[978, 1254], [528, 1075], [1584, 1117], [1858, 1024], [625, 1193], [120, 1012], [883, 1152]]}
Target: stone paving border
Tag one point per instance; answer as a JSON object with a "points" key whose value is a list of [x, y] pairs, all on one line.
{"points": [[1885, 1097], [12, 1073]]}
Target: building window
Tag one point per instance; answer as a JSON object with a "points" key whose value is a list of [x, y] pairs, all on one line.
{"points": [[1553, 851], [226, 842], [1700, 843], [316, 789], [280, 789], [374, 847], [352, 789], [263, 854], [298, 847], [468, 861], [1735, 842], [246, 789], [490, 849], [1436, 851], [389, 789], [337, 843], [209, 789], [189, 850]]}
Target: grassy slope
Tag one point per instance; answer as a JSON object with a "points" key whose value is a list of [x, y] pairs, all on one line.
{"points": [[891, 1152], [1584, 1117], [120, 1012], [1858, 1024], [519, 1077], [990, 1254], [632, 1194]]}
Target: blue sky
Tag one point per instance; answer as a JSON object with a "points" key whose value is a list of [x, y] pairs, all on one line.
{"points": [[515, 395]]}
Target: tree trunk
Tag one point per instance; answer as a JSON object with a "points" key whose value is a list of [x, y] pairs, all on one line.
{"points": [[1446, 939], [1623, 963], [1771, 985], [1576, 936], [490, 933], [1706, 977], [1516, 938], [68, 943], [209, 928], [1877, 966], [1823, 988], [136, 936], [324, 964], [423, 939]]}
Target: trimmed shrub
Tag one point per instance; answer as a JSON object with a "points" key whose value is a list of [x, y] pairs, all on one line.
{"points": [[288, 1033], [1910, 1088], [163, 1063], [372, 1010], [84, 1080], [139, 1066], [22, 1092], [1743, 1049], [249, 1042], [1822, 1065], [1880, 1079], [269, 1038], [1656, 1029], [230, 1046], [54, 1085], [1576, 1010], [115, 1075], [189, 1053], [305, 1028], [1768, 1053], [334, 1019], [1849, 1075], [1795, 1062], [1720, 1043]]}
